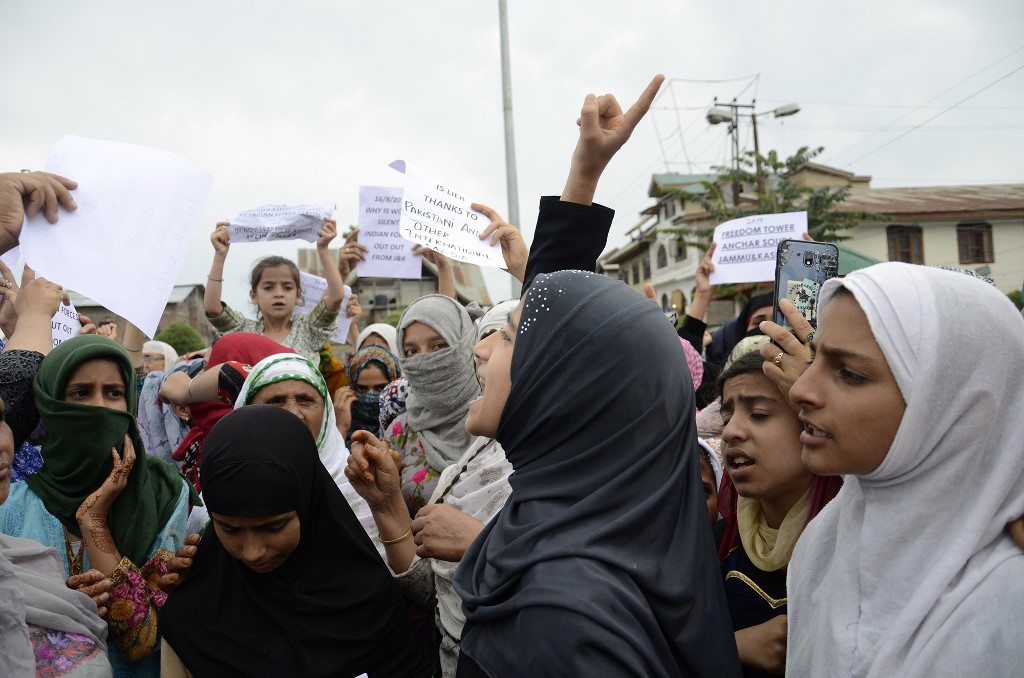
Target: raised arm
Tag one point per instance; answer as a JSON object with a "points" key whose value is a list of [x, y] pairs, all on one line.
{"points": [[335, 285], [571, 230], [221, 240], [445, 274]]}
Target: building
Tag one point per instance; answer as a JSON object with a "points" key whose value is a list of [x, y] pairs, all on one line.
{"points": [[380, 297], [975, 227], [185, 304]]}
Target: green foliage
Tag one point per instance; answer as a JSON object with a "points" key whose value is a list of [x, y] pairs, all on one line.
{"points": [[777, 193], [1015, 298], [393, 317], [182, 336]]}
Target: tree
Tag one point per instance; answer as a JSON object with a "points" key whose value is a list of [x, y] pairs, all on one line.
{"points": [[182, 336], [776, 192]]}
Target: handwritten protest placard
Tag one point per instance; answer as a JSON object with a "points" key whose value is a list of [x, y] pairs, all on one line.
{"points": [[125, 244], [313, 287], [746, 247], [65, 324], [279, 222], [390, 255], [436, 215]]}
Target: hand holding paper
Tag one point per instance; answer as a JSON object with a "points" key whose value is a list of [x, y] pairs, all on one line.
{"points": [[279, 222], [137, 207], [436, 215], [513, 247], [24, 194], [382, 251], [746, 247]]}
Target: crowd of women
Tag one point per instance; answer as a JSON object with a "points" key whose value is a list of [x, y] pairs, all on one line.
{"points": [[562, 485]]}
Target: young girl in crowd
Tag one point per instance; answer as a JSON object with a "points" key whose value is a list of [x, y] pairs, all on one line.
{"points": [[572, 578], [98, 499], [47, 627], [286, 581], [910, 570], [357, 406], [767, 498], [275, 289], [424, 553], [436, 336]]}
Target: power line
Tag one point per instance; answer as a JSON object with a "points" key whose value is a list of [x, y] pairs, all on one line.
{"points": [[898, 106], [937, 96], [942, 112]]}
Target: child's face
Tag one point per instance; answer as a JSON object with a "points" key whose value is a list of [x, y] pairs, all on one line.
{"points": [[707, 479], [761, 441], [277, 293]]}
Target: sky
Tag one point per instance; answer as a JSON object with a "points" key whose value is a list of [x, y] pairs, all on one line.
{"points": [[303, 102]]}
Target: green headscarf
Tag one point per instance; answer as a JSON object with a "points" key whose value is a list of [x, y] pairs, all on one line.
{"points": [[76, 452]]}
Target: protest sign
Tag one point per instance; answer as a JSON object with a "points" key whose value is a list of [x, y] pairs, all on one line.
{"points": [[124, 246], [279, 222], [439, 217], [313, 288], [390, 255], [65, 324], [746, 246]]}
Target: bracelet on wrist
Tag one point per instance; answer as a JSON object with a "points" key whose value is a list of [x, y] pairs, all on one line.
{"points": [[390, 542], [210, 277]]}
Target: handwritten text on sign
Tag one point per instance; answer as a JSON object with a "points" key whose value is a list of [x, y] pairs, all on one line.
{"points": [[439, 217], [279, 222], [390, 255], [746, 247], [65, 324], [313, 287]]}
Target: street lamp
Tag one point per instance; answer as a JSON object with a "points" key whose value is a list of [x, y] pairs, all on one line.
{"points": [[730, 113]]}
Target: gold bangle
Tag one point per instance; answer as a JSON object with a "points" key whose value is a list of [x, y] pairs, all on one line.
{"points": [[389, 542], [188, 391]]}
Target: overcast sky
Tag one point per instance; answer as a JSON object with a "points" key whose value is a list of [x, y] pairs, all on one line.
{"points": [[305, 101]]}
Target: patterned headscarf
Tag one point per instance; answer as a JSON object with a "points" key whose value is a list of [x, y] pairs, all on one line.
{"points": [[366, 408]]}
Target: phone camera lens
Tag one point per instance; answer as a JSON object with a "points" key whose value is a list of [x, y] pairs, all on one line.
{"points": [[808, 259]]}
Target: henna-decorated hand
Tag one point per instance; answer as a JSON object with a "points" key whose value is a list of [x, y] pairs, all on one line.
{"points": [[93, 584], [178, 566], [98, 504]]}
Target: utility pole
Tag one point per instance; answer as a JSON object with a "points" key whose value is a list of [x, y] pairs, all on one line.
{"points": [[512, 184]]}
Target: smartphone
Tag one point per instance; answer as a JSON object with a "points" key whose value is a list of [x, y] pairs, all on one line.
{"points": [[801, 268]]}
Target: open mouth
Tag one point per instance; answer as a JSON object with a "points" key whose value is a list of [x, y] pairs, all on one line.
{"points": [[816, 432], [738, 461]]}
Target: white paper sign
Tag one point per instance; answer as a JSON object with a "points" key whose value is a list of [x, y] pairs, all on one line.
{"points": [[279, 222], [65, 324], [746, 247], [313, 288], [124, 246], [436, 215], [390, 255]]}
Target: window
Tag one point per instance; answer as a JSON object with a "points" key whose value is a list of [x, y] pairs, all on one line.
{"points": [[664, 303], [624, 274], [975, 243], [670, 209], [662, 257], [905, 244], [680, 249], [636, 273], [647, 267]]}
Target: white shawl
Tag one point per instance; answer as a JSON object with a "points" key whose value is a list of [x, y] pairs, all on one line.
{"points": [[909, 570]]}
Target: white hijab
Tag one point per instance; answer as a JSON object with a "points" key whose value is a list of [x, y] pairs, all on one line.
{"points": [[383, 330], [164, 349], [909, 571]]}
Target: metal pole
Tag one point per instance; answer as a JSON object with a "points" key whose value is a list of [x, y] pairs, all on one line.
{"points": [[510, 143], [757, 156]]}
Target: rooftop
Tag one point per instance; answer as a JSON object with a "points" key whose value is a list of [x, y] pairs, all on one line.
{"points": [[921, 200]]}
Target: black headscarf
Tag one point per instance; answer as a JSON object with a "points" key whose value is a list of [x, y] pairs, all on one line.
{"points": [[331, 609], [603, 549]]}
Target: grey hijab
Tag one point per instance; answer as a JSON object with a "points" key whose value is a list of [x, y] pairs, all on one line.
{"points": [[33, 590], [442, 383]]}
